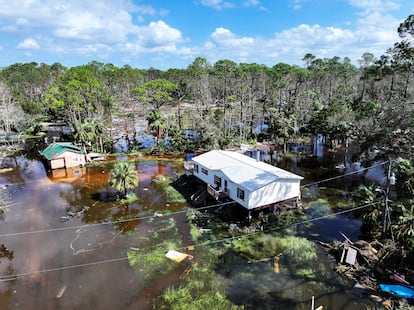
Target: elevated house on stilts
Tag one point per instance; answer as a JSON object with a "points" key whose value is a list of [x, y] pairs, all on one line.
{"points": [[249, 182]]}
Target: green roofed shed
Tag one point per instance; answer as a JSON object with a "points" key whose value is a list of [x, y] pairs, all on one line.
{"points": [[63, 155]]}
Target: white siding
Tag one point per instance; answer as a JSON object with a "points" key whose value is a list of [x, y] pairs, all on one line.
{"points": [[233, 194], [209, 179], [231, 186], [274, 192], [262, 184]]}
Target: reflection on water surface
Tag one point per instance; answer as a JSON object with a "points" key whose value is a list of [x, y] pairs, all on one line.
{"points": [[62, 239]]}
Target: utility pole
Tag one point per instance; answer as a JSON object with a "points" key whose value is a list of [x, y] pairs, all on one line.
{"points": [[390, 181]]}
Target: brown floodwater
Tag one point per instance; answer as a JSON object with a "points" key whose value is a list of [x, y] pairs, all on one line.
{"points": [[61, 250]]}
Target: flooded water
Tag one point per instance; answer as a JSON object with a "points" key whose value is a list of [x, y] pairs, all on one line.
{"points": [[64, 257], [63, 247]]}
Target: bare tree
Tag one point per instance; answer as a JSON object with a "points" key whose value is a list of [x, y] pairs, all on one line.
{"points": [[12, 117]]}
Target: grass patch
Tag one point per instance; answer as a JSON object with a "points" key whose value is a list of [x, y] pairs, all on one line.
{"points": [[150, 260], [130, 198], [297, 252], [162, 180], [201, 289], [171, 194], [331, 198]]}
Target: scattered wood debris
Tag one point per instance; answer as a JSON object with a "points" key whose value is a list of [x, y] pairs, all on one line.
{"points": [[178, 256], [366, 264], [61, 292]]}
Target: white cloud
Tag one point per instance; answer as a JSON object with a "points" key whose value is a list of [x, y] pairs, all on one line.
{"points": [[254, 3], [9, 28], [28, 44], [286, 46], [306, 35], [323, 42], [376, 29], [224, 38], [251, 3], [224, 44], [158, 35], [22, 21], [217, 4], [88, 26], [104, 28], [87, 49], [91, 21], [370, 6], [372, 33], [94, 28], [296, 4]]}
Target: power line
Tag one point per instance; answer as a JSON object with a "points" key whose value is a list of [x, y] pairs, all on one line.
{"points": [[109, 222], [173, 213], [15, 276], [344, 175], [24, 274]]}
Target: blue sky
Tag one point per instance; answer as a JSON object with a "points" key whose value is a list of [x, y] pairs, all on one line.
{"points": [[171, 33]]}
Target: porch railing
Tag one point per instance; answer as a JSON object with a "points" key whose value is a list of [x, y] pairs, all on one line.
{"points": [[217, 194]]}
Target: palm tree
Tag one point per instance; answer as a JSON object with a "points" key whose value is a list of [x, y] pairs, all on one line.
{"points": [[123, 177], [156, 122], [88, 132]]}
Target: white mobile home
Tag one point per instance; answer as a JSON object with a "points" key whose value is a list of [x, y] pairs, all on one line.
{"points": [[249, 182]]}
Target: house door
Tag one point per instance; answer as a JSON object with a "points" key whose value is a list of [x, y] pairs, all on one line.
{"points": [[225, 186], [217, 182]]}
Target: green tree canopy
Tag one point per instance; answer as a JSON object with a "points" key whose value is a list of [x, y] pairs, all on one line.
{"points": [[156, 92], [78, 97], [123, 177]]}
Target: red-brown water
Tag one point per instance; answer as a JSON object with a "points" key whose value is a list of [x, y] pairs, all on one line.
{"points": [[58, 254], [66, 258]]}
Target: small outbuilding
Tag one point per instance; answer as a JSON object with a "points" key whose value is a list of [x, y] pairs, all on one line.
{"points": [[63, 155], [250, 182]]}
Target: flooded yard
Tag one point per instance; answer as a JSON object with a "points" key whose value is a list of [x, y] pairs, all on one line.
{"points": [[67, 243], [64, 257]]}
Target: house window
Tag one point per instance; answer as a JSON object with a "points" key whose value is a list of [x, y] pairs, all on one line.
{"points": [[217, 181], [196, 168], [203, 170], [75, 158], [240, 193]]}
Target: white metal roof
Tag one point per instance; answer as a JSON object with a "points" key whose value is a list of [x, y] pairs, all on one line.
{"points": [[243, 170]]}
